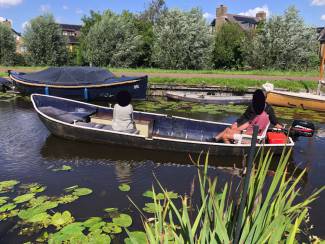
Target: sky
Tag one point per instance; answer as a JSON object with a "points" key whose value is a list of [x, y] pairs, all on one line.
{"points": [[71, 11]]}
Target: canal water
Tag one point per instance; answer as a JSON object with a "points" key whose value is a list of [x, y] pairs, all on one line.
{"points": [[28, 153]]}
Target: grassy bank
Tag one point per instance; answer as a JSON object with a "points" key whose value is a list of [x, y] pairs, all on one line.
{"points": [[309, 73], [239, 84], [3, 74]]}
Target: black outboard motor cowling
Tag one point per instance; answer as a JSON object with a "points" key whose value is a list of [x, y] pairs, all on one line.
{"points": [[302, 128]]}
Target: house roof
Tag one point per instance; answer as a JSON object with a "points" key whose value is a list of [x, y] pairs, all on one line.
{"points": [[70, 27], [245, 22], [15, 32]]}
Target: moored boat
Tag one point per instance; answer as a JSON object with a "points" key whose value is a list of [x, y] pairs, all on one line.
{"points": [[81, 121], [82, 83], [208, 98]]}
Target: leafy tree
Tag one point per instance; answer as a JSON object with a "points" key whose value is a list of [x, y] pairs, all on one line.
{"points": [[182, 40], [228, 46], [155, 9], [114, 41], [7, 45], [285, 42], [44, 42]]}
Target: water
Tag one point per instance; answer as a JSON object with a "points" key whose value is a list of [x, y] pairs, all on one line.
{"points": [[27, 151]]}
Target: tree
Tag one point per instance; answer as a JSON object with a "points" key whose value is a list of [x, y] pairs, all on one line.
{"points": [[155, 9], [285, 42], [114, 41], [7, 45], [182, 40], [228, 46], [44, 42]]}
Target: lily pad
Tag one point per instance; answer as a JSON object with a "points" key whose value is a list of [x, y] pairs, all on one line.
{"points": [[124, 187], [30, 212], [63, 168], [41, 218], [112, 228], [97, 238], [7, 207], [71, 233], [97, 226], [82, 192], [59, 219], [110, 210], [34, 202], [71, 188], [123, 220], [92, 221], [152, 207], [24, 198], [67, 199], [7, 185], [3, 200], [160, 196], [136, 237], [37, 189]]}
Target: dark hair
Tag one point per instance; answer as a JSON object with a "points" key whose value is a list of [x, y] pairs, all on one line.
{"points": [[258, 101], [123, 98]]}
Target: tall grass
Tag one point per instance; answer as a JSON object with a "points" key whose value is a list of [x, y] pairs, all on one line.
{"points": [[272, 213]]}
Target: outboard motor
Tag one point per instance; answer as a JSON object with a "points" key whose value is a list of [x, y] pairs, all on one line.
{"points": [[302, 128]]}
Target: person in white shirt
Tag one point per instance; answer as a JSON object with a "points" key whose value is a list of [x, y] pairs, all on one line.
{"points": [[123, 114]]}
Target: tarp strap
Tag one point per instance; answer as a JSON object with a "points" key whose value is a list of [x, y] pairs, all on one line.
{"points": [[86, 96], [46, 90]]}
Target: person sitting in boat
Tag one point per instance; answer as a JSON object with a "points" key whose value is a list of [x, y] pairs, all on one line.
{"points": [[257, 113], [123, 114]]}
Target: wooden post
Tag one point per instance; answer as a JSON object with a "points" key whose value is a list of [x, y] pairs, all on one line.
{"points": [[321, 77]]}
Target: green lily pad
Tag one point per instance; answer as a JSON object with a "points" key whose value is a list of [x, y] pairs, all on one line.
{"points": [[123, 220], [92, 221], [110, 210], [97, 226], [3, 200], [41, 218], [136, 237], [37, 189], [71, 233], [67, 199], [111, 228], [7, 207], [71, 188], [34, 202], [30, 212], [160, 196], [43, 238], [152, 208], [82, 192], [124, 187], [24, 198], [96, 238], [63, 168], [7, 185], [59, 219]]}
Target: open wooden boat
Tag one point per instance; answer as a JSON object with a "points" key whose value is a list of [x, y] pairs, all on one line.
{"points": [[296, 100], [81, 121], [208, 98], [81, 83]]}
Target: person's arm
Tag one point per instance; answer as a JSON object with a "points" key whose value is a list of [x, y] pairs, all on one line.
{"points": [[273, 119]]}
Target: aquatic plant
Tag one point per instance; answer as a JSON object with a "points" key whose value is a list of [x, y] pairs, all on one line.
{"points": [[124, 187], [63, 168], [272, 213]]}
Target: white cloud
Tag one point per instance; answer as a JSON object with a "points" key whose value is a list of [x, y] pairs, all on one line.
{"points": [[252, 12], [322, 17], [318, 2], [208, 16], [65, 7], [24, 25], [45, 8], [79, 11], [8, 3]]}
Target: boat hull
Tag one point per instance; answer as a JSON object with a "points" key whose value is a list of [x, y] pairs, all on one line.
{"points": [[168, 132], [87, 93], [286, 99]]}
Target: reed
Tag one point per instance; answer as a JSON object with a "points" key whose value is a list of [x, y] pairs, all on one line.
{"points": [[272, 213]]}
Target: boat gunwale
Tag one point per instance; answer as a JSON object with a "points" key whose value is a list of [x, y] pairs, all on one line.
{"points": [[298, 96], [290, 144]]}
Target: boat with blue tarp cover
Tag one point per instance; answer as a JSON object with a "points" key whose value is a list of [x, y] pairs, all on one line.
{"points": [[82, 121], [81, 83]]}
